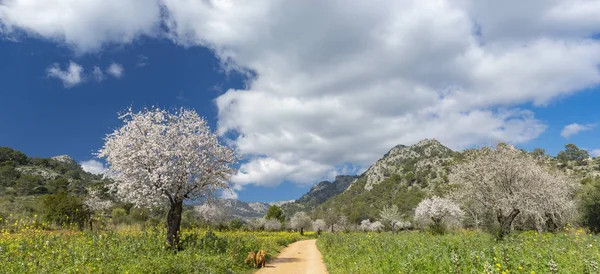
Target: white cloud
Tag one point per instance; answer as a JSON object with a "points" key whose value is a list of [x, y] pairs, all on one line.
{"points": [[572, 129], [116, 70], [229, 194], [93, 166], [84, 25], [98, 74], [595, 152], [342, 82], [70, 77]]}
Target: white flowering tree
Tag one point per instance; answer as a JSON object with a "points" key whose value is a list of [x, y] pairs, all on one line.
{"points": [[160, 157], [391, 217], [257, 224], [507, 183], [272, 225], [437, 212], [214, 214], [319, 225], [300, 221], [95, 203]]}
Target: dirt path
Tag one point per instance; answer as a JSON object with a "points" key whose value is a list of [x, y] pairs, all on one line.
{"points": [[299, 257]]}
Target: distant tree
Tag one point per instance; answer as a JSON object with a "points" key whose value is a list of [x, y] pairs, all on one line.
{"points": [[331, 218], [214, 214], [96, 203], [236, 223], [572, 153], [257, 224], [436, 213], [275, 212], [365, 225], [160, 157], [300, 221], [319, 225], [538, 153], [505, 182], [273, 225], [377, 226], [391, 216]]}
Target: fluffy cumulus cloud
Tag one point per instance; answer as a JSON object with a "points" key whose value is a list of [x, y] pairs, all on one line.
{"points": [[229, 194], [116, 70], [84, 25], [595, 152], [337, 83], [573, 129], [71, 76], [93, 166]]}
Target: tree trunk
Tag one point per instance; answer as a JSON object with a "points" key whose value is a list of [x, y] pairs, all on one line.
{"points": [[302, 231], [506, 222], [173, 224]]}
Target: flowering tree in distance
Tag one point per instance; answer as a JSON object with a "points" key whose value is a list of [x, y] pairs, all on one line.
{"points": [[300, 221], [160, 157], [435, 211], [507, 183]]}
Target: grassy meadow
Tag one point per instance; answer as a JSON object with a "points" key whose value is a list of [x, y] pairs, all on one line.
{"points": [[461, 252], [30, 249]]}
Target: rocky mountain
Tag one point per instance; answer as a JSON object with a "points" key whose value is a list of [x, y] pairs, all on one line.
{"points": [[403, 176], [318, 194], [247, 210]]}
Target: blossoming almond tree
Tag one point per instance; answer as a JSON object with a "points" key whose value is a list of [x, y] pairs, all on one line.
{"points": [[300, 221], [435, 210], [507, 182], [160, 157]]}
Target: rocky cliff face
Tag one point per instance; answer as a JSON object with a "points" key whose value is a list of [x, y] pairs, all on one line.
{"points": [[426, 160]]}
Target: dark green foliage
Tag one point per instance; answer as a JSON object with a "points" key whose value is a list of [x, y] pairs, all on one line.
{"points": [[29, 185], [10, 155], [57, 185], [572, 153], [275, 212], [118, 215], [64, 209], [8, 176], [358, 204], [539, 153], [236, 223], [589, 198]]}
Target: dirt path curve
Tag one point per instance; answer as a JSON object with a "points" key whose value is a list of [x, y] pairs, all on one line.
{"points": [[299, 257]]}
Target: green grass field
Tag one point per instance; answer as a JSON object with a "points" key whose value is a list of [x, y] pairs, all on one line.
{"points": [[133, 251], [463, 252]]}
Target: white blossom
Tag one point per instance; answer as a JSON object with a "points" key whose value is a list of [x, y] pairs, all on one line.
{"points": [[377, 226], [508, 183], [272, 225], [300, 221], [437, 210], [95, 203], [319, 225], [391, 216], [257, 224], [159, 156], [212, 213]]}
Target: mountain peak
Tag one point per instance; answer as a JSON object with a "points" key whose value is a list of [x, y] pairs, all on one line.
{"points": [[425, 154]]}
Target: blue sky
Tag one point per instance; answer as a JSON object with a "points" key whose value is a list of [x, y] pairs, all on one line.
{"points": [[304, 95]]}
